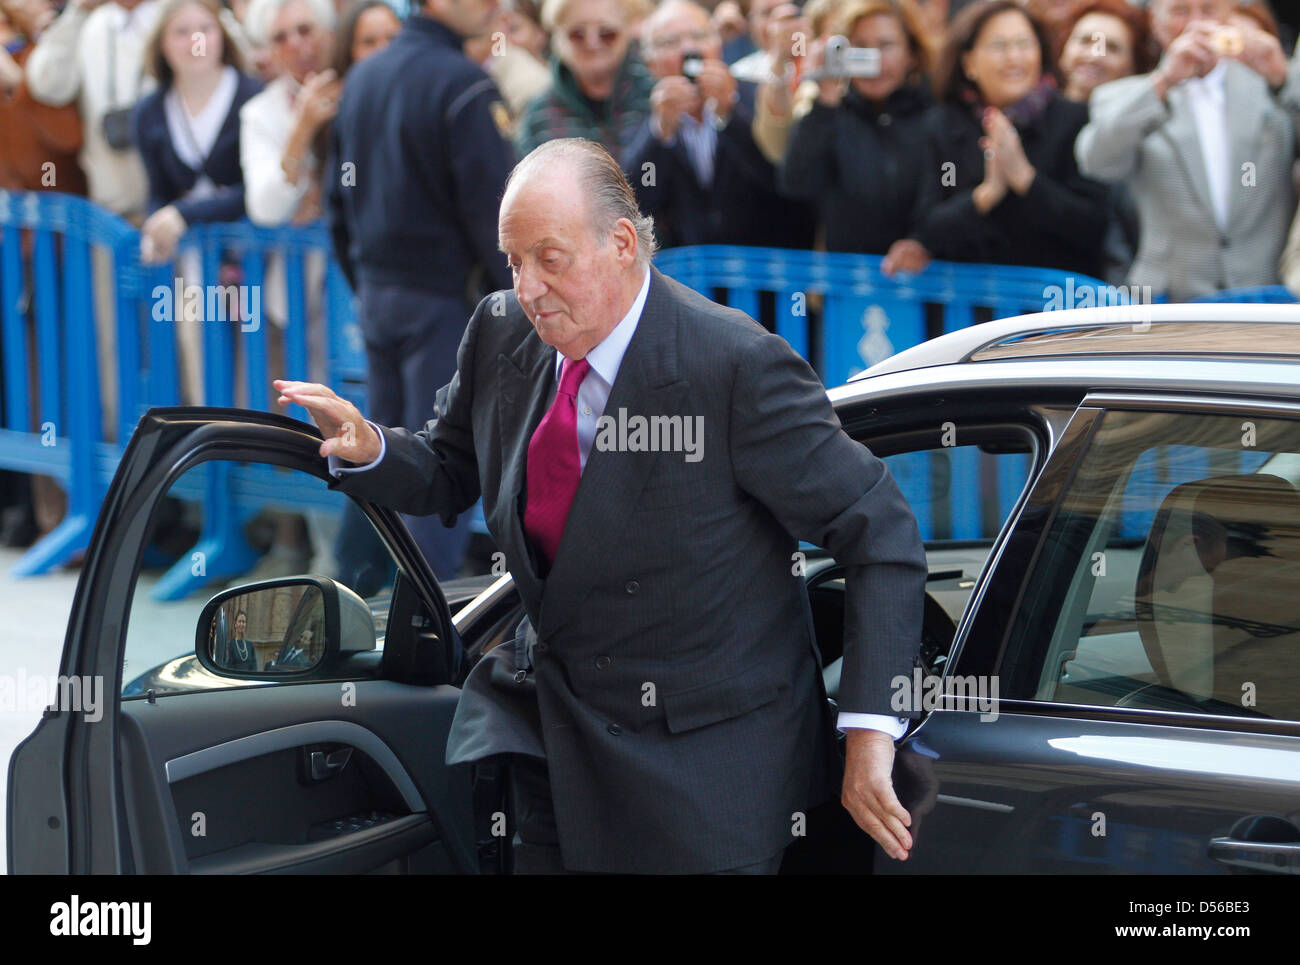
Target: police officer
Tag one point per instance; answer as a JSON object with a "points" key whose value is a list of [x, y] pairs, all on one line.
{"points": [[419, 162]]}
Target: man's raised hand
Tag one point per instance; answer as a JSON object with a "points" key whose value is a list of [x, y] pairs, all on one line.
{"points": [[347, 434]]}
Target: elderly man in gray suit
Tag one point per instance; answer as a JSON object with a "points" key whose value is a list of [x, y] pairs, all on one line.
{"points": [[1205, 142], [667, 713]]}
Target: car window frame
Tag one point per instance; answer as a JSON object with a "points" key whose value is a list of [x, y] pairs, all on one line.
{"points": [[982, 650]]}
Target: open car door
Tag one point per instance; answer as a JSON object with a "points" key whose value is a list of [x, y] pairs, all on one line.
{"points": [[284, 711]]}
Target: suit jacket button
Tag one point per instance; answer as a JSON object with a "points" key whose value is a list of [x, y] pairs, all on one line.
{"points": [[632, 586], [603, 662], [541, 647], [615, 729]]}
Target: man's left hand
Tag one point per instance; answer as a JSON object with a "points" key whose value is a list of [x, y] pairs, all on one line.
{"points": [[869, 791]]}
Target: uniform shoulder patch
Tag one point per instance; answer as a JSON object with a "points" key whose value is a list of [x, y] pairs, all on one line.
{"points": [[501, 116]]}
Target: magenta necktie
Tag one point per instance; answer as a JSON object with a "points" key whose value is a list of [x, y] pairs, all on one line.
{"points": [[554, 468]]}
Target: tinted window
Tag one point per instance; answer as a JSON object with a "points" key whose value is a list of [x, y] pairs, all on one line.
{"points": [[1169, 577]]}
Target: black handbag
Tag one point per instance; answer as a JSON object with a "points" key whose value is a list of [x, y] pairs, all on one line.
{"points": [[117, 128]]}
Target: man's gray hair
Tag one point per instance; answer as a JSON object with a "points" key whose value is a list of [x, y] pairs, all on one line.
{"points": [[609, 195], [261, 14]]}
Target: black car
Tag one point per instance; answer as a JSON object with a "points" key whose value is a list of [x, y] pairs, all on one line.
{"points": [[1111, 677]]}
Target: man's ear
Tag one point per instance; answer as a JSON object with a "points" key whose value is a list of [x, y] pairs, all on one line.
{"points": [[625, 242]]}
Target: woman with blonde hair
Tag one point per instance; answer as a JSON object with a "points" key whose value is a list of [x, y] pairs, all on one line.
{"points": [[187, 132], [599, 89], [188, 129]]}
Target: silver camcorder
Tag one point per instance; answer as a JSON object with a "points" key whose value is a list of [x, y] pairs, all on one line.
{"points": [[842, 61]]}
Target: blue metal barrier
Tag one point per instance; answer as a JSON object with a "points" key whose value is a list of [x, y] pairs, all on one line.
{"points": [[866, 315], [52, 422]]}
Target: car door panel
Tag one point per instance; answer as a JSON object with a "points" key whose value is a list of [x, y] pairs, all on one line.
{"points": [[1045, 786], [1037, 794], [95, 795], [234, 762]]}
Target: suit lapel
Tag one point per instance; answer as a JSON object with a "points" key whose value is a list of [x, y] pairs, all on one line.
{"points": [[526, 384], [1246, 102], [1187, 142], [648, 382]]}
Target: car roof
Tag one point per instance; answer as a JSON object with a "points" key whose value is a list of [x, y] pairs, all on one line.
{"points": [[1265, 332]]}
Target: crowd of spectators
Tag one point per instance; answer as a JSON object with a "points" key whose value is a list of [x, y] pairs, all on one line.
{"points": [[1150, 144], [1077, 134]]}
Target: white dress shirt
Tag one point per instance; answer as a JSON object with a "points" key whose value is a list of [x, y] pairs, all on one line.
{"points": [[193, 135], [606, 359], [265, 122], [1208, 100]]}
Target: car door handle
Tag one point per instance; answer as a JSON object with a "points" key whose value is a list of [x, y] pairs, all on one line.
{"points": [[1260, 843], [327, 765], [1256, 855]]}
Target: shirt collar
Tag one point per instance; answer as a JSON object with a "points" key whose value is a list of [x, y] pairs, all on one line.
{"points": [[607, 357], [1211, 85]]}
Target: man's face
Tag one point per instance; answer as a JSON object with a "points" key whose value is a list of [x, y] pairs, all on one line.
{"points": [[568, 282], [677, 31], [300, 45], [1169, 18]]}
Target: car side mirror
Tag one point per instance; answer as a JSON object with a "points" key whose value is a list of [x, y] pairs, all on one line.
{"points": [[282, 628]]}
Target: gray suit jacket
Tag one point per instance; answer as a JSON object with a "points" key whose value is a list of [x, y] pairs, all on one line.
{"points": [[678, 699], [1153, 146]]}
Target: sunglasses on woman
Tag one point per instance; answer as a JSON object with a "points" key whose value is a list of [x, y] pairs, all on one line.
{"points": [[603, 36]]}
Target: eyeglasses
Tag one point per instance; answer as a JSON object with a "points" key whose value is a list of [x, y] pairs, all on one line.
{"points": [[696, 38], [602, 35], [1002, 47]]}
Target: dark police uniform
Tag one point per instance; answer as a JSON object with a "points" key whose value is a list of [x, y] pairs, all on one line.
{"points": [[418, 165]]}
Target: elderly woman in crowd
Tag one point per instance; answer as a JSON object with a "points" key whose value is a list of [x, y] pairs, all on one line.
{"points": [[599, 90], [366, 29], [1000, 184], [1102, 40], [303, 96], [858, 153]]}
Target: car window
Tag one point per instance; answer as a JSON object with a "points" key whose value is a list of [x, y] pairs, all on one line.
{"points": [[961, 497], [290, 525], [1169, 577]]}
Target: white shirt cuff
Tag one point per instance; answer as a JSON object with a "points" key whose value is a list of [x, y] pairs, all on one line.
{"points": [[337, 468], [895, 727]]}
